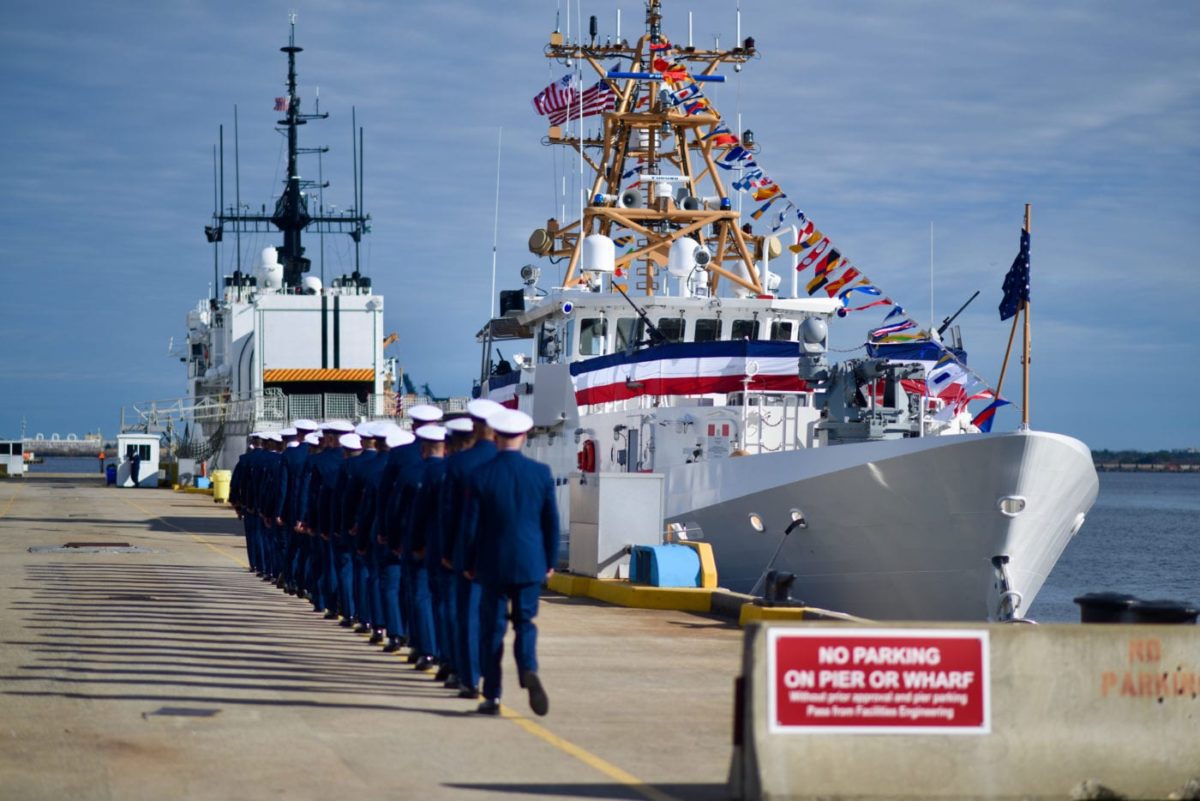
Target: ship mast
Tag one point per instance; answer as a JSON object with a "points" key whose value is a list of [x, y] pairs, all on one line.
{"points": [[635, 132], [291, 214]]}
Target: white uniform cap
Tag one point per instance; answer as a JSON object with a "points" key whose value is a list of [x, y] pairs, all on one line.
{"points": [[432, 433], [306, 424], [294, 443], [312, 439], [340, 426], [380, 428], [400, 437], [363, 429], [289, 432], [274, 436], [425, 413], [255, 435], [482, 408], [351, 441], [510, 422], [460, 425]]}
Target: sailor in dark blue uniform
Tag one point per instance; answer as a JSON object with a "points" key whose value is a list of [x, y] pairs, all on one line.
{"points": [[420, 536], [460, 435], [346, 490], [320, 503], [240, 485], [309, 570], [366, 549], [399, 512], [295, 456], [464, 614], [403, 455], [514, 515], [267, 503]]}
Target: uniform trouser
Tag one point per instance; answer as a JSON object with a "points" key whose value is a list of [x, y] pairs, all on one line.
{"points": [[343, 559], [494, 613], [375, 557], [287, 570], [250, 525], [268, 545], [362, 578], [445, 604], [329, 575], [408, 583], [423, 633], [390, 579], [312, 573], [466, 652], [299, 562]]}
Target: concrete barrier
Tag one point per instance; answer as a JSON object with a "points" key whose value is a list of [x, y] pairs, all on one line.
{"points": [[827, 710]]}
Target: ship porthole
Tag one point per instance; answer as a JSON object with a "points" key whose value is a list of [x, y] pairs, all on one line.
{"points": [[1011, 505]]}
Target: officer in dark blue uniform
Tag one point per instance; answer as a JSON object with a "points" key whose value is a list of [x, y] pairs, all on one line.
{"points": [[323, 480], [295, 456], [367, 551], [464, 623], [460, 435], [267, 500], [351, 491], [514, 515], [309, 571]]}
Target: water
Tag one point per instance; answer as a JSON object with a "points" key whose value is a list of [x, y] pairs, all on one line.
{"points": [[69, 464], [1142, 537]]}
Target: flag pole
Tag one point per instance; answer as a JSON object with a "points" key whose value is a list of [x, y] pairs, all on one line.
{"points": [[1026, 354]]}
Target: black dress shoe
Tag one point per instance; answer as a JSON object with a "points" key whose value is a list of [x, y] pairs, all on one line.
{"points": [[451, 682], [468, 692], [490, 706], [377, 638], [425, 663], [443, 673], [539, 702], [392, 647], [361, 628], [345, 622], [412, 658], [331, 615]]}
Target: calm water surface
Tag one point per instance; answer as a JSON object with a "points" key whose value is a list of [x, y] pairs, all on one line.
{"points": [[1142, 537]]}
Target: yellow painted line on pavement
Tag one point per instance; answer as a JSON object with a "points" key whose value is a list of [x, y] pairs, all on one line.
{"points": [[232, 557], [587, 757], [11, 498]]}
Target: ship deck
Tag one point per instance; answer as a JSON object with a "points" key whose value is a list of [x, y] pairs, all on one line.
{"points": [[168, 670]]}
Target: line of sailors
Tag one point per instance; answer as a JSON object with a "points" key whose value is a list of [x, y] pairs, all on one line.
{"points": [[431, 540]]}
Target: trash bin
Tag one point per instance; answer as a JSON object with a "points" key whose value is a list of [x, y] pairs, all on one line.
{"points": [[110, 475], [220, 482], [1117, 607]]}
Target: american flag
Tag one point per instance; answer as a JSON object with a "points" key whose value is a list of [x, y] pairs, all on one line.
{"points": [[281, 103], [560, 101]]}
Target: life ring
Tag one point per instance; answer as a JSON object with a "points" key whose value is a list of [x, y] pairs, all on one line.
{"points": [[587, 457]]}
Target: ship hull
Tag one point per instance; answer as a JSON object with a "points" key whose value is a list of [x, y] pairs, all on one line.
{"points": [[897, 529]]}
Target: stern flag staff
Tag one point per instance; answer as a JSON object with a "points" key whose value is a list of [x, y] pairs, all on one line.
{"points": [[1015, 304]]}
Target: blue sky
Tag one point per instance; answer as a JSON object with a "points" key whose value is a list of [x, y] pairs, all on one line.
{"points": [[878, 118]]}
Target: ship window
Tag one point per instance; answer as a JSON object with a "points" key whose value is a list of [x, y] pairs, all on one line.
{"points": [[708, 330], [592, 332], [745, 329], [5, 448], [143, 452], [548, 344], [629, 332], [781, 330], [671, 328]]}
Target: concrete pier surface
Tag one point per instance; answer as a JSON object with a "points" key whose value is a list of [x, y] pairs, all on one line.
{"points": [[167, 670]]}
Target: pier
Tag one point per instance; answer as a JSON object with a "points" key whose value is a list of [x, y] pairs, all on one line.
{"points": [[145, 661]]}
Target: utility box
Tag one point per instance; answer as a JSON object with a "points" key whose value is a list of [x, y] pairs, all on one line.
{"points": [[609, 513], [12, 457], [146, 447]]}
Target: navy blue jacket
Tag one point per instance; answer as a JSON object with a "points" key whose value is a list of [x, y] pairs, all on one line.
{"points": [[295, 459], [368, 506], [459, 468], [514, 515], [425, 522], [400, 502]]}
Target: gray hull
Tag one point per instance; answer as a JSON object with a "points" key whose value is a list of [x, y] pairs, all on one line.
{"points": [[898, 529]]}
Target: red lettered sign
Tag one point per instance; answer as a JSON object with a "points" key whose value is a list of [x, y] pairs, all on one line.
{"points": [[882, 681]]}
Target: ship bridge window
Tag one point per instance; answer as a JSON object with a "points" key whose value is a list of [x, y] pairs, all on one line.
{"points": [[592, 331], [744, 329], [671, 328], [5, 448], [782, 330], [708, 330], [549, 346], [630, 331]]}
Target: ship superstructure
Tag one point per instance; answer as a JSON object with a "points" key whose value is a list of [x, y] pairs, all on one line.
{"points": [[672, 348]]}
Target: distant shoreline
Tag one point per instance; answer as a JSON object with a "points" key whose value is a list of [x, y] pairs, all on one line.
{"points": [[1178, 461]]}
